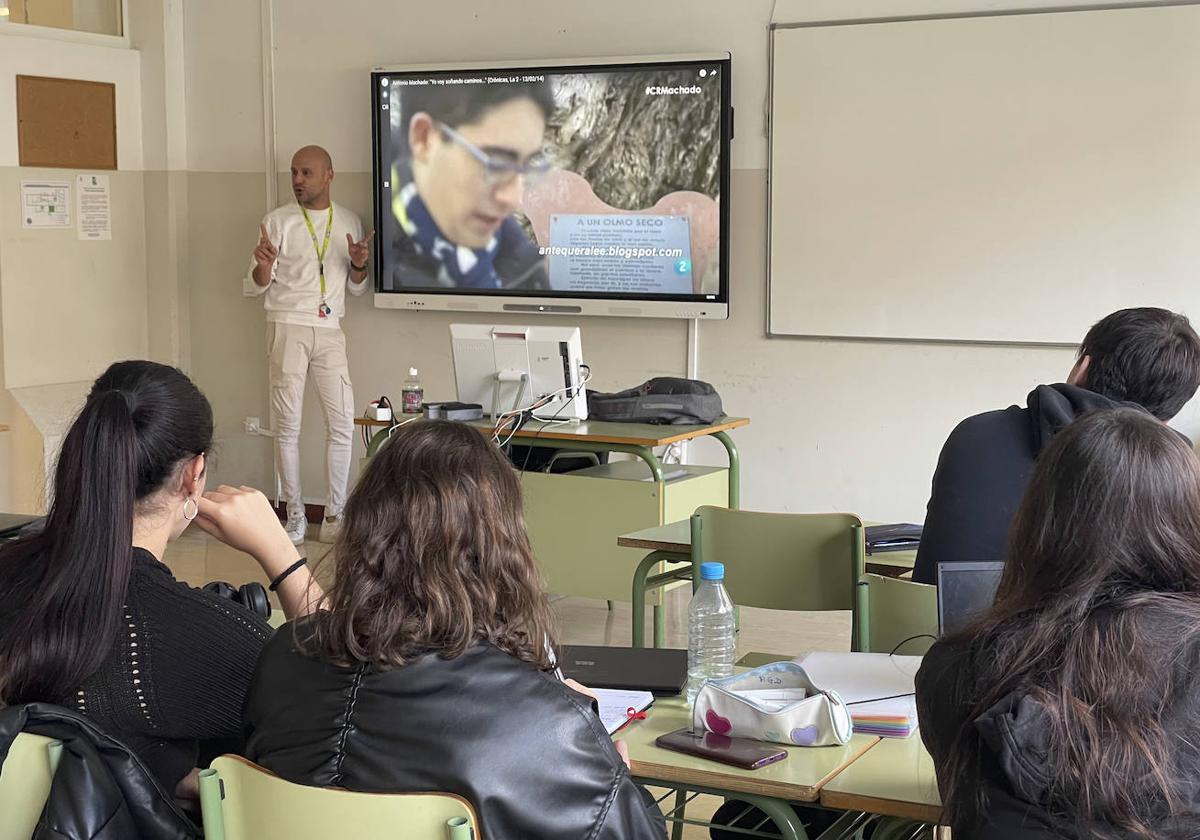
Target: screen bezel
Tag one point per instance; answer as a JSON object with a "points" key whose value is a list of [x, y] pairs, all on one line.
{"points": [[590, 303]]}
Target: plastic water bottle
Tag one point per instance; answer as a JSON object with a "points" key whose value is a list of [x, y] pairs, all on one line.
{"points": [[712, 636], [412, 395]]}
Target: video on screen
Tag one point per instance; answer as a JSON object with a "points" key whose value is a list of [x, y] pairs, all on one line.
{"points": [[565, 182]]}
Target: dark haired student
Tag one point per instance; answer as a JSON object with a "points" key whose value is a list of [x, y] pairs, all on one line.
{"points": [[1146, 357], [89, 616], [1071, 709], [430, 670], [465, 156]]}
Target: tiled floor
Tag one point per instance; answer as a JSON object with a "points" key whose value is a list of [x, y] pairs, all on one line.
{"points": [[198, 559]]}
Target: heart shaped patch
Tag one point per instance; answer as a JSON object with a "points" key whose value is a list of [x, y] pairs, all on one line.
{"points": [[804, 736], [716, 723]]}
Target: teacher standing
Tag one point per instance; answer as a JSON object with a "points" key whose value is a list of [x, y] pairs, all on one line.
{"points": [[308, 254]]}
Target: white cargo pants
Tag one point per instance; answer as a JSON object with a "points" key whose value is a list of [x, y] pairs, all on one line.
{"points": [[294, 351]]}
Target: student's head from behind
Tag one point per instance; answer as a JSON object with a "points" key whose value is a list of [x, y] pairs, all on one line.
{"points": [[135, 454], [471, 148], [1114, 500], [159, 429], [1098, 604], [312, 173], [433, 556], [1145, 355]]}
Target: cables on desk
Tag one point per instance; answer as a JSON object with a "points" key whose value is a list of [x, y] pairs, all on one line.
{"points": [[511, 422]]}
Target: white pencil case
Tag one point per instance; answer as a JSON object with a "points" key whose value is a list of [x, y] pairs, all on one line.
{"points": [[777, 703]]}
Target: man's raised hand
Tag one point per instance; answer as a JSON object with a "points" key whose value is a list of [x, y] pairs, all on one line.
{"points": [[360, 251], [265, 253]]}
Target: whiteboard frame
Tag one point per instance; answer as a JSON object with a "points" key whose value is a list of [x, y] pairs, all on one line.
{"points": [[771, 30]]}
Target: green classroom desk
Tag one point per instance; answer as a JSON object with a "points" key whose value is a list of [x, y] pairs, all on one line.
{"points": [[672, 544], [574, 518], [894, 778], [798, 778]]}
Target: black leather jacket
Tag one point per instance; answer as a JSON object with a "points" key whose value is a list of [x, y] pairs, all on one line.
{"points": [[527, 751], [101, 790]]}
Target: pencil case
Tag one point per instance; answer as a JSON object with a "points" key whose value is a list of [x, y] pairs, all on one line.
{"points": [[777, 703]]}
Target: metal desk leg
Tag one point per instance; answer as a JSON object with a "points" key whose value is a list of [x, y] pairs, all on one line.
{"points": [[788, 823], [641, 585], [378, 440], [735, 470], [681, 801]]}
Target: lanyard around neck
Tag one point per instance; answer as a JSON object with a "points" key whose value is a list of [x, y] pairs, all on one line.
{"points": [[323, 248]]}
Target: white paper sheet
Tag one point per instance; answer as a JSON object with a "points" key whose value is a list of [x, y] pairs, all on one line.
{"points": [[615, 704]]}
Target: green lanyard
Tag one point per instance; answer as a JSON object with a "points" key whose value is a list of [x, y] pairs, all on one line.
{"points": [[323, 248]]}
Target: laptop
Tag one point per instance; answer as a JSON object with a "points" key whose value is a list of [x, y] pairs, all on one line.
{"points": [[661, 671], [964, 591], [11, 524]]}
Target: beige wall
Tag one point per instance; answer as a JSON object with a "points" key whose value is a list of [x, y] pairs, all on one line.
{"points": [[837, 425], [67, 308]]}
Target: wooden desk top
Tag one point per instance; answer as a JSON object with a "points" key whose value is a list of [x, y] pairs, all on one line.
{"points": [[620, 434], [367, 421], [799, 777], [674, 536], [594, 431], [894, 777]]}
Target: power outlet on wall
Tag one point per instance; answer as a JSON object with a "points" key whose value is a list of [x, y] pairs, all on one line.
{"points": [[252, 425]]}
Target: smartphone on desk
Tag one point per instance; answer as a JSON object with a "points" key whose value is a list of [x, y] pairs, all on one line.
{"points": [[740, 752]]}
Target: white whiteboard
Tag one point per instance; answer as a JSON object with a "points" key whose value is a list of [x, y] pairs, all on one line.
{"points": [[1002, 178]]}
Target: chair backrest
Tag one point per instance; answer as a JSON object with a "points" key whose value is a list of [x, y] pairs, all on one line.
{"points": [[897, 610], [782, 561], [25, 782], [241, 800]]}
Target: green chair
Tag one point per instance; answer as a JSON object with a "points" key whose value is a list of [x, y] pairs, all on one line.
{"points": [[25, 782], [240, 800], [899, 614], [784, 561]]}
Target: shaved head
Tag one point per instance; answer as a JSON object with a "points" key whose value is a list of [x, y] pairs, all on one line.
{"points": [[313, 155], [312, 172]]}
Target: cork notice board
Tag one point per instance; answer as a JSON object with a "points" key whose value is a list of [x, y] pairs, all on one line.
{"points": [[66, 123]]}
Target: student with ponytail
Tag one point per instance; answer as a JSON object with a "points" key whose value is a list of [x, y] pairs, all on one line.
{"points": [[89, 616]]}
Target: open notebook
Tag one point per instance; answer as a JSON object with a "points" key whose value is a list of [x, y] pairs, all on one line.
{"points": [[616, 703], [877, 688]]}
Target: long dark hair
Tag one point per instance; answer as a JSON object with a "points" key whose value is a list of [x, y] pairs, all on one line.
{"points": [[141, 421], [1099, 602], [433, 556]]}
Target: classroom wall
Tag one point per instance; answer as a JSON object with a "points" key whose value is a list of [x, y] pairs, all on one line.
{"points": [[67, 308], [837, 425], [90, 296]]}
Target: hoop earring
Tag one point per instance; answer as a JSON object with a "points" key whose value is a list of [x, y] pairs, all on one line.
{"points": [[195, 509]]}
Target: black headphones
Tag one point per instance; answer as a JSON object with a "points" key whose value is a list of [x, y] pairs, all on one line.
{"points": [[252, 596]]}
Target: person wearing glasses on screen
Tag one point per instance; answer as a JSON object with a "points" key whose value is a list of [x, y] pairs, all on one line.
{"points": [[471, 151]]}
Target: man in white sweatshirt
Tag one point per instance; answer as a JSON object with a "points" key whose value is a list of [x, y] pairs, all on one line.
{"points": [[309, 253]]}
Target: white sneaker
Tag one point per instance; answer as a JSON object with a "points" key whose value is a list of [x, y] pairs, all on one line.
{"points": [[330, 529], [296, 527]]}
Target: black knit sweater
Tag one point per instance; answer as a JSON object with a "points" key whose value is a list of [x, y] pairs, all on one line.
{"points": [[173, 685]]}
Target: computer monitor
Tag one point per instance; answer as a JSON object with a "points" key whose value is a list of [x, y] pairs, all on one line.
{"points": [[965, 590], [506, 368]]}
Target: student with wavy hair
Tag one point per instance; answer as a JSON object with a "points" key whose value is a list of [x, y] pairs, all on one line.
{"points": [[430, 669], [92, 620], [1072, 707]]}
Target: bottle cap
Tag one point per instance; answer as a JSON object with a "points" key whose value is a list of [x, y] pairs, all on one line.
{"points": [[712, 571], [412, 371]]}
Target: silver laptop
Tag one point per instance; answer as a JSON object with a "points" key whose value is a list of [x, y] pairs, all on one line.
{"points": [[965, 590]]}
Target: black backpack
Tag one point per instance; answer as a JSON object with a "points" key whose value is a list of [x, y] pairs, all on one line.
{"points": [[664, 399]]}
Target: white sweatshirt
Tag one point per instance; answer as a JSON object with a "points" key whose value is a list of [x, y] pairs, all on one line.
{"points": [[294, 293]]}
